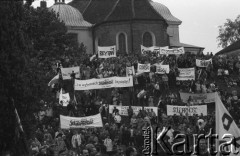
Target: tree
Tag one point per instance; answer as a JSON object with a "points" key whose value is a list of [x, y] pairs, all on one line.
{"points": [[229, 32], [31, 40]]}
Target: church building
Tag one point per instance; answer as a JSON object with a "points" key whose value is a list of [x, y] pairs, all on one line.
{"points": [[128, 24]]}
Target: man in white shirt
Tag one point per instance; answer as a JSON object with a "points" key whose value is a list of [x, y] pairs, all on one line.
{"points": [[109, 145]]}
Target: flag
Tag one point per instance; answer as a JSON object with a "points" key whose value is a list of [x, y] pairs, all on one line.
{"points": [[54, 80], [91, 58], [20, 139], [226, 125]]}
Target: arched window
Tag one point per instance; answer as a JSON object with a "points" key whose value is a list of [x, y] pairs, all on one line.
{"points": [[122, 47], [147, 39]]}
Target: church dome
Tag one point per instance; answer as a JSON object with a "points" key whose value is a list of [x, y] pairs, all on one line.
{"points": [[69, 15], [165, 13]]}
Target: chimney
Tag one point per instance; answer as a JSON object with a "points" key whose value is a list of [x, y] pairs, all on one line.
{"points": [[43, 4]]}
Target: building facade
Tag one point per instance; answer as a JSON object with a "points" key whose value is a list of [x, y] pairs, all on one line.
{"points": [[128, 24]]}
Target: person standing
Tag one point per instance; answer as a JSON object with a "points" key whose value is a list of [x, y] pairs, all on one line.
{"points": [[108, 143]]}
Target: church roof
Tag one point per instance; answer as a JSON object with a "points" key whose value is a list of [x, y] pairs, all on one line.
{"points": [[98, 11], [185, 45], [231, 48], [69, 15], [165, 13]]}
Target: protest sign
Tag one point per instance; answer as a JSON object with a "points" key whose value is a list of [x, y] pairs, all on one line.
{"points": [[111, 82], [176, 51], [203, 63], [66, 72], [186, 110], [64, 98], [107, 52], [123, 109], [67, 122], [162, 69], [142, 68], [130, 71], [197, 98], [186, 74], [152, 51]]}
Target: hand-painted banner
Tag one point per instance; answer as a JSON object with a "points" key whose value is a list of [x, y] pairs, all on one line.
{"points": [[64, 98], [186, 110], [123, 110], [130, 71], [176, 51], [66, 72], [153, 51], [67, 122], [186, 74], [143, 68], [110, 82], [162, 69], [203, 63], [107, 52], [197, 98]]}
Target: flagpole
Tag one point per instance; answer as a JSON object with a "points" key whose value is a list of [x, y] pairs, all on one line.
{"points": [[217, 124]]}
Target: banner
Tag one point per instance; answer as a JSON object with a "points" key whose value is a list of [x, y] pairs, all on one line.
{"points": [[66, 72], [197, 98], [203, 63], [175, 51], [64, 98], [186, 110], [162, 69], [153, 51], [111, 82], [123, 109], [67, 122], [142, 68], [130, 71], [107, 52], [186, 74]]}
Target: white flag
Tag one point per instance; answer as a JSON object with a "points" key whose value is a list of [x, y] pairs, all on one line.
{"points": [[54, 80], [225, 125]]}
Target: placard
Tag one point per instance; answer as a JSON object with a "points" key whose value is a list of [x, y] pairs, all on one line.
{"points": [[130, 71], [66, 72], [186, 110], [186, 74], [162, 69], [197, 98], [203, 63], [175, 51], [107, 52], [143, 68]]}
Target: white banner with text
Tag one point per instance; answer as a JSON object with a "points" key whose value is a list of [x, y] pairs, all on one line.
{"points": [[143, 68], [68, 122], [186, 110], [67, 72], [110, 82], [162, 69], [197, 98], [107, 52], [203, 63], [186, 74], [175, 51], [123, 110]]}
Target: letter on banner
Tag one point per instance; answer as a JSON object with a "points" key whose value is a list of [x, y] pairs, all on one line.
{"points": [[186, 110], [110, 82], [81, 122], [130, 71], [203, 63], [66, 72], [107, 52], [162, 69], [143, 68], [186, 74], [176, 51]]}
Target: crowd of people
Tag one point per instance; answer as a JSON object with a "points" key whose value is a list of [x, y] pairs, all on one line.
{"points": [[122, 135]]}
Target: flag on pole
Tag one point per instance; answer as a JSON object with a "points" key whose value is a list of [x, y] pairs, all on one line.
{"points": [[54, 80], [226, 125]]}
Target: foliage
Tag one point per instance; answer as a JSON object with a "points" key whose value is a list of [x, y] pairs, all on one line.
{"points": [[32, 41], [229, 32]]}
